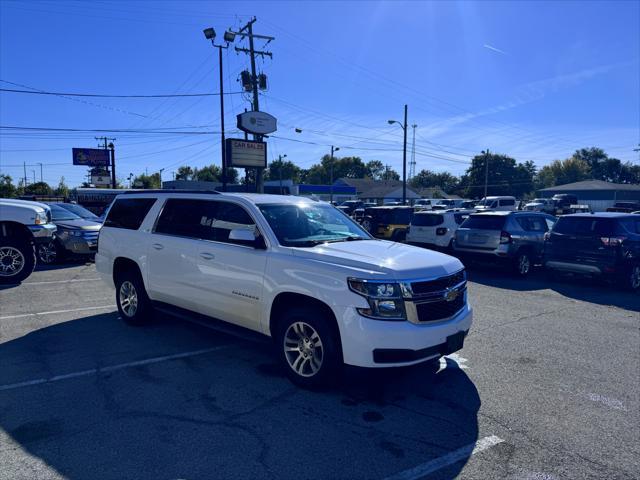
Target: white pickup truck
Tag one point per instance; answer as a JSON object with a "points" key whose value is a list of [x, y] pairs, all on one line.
{"points": [[23, 225], [296, 270]]}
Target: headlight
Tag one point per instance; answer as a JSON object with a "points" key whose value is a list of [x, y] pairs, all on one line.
{"points": [[385, 299], [41, 218], [75, 233]]}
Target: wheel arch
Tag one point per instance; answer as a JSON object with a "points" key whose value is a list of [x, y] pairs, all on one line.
{"points": [[124, 264], [286, 300], [9, 229]]}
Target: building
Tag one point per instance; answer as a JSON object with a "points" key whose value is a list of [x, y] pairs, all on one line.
{"points": [[378, 191], [599, 195]]}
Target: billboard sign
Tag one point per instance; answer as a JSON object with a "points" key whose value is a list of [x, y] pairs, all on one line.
{"points": [[91, 157], [260, 123], [246, 153], [101, 180]]}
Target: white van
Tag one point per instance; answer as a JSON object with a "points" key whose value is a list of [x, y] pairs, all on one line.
{"points": [[505, 204]]}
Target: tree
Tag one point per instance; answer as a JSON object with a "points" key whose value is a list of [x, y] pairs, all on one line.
{"points": [[283, 169], [184, 173], [7, 189], [345, 167], [506, 176], [428, 179], [147, 181], [38, 188], [375, 169], [62, 190], [561, 172]]}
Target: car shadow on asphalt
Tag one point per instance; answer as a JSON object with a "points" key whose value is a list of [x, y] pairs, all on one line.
{"points": [[230, 413], [575, 287]]}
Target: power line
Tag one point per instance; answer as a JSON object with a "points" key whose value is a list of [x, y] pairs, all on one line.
{"points": [[102, 95]]}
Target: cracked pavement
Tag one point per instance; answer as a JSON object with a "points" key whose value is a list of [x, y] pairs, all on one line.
{"points": [[550, 368]]}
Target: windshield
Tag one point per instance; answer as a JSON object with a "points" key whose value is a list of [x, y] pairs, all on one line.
{"points": [[58, 213], [78, 210], [307, 225]]}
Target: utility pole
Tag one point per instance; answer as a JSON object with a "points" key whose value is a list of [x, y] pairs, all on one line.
{"points": [[280, 157], [412, 164], [24, 164], [40, 171], [486, 171], [248, 28], [333, 149], [404, 160], [111, 147], [161, 170], [34, 175]]}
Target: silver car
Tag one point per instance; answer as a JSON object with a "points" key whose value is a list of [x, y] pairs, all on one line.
{"points": [[513, 238]]}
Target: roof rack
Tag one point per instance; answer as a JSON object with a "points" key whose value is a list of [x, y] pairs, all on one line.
{"points": [[170, 190]]}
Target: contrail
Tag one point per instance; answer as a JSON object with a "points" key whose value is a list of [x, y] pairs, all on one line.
{"points": [[495, 49]]}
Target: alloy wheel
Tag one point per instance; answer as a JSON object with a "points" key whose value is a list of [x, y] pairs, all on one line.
{"points": [[12, 261], [128, 298], [524, 264], [303, 349], [635, 277], [47, 253]]}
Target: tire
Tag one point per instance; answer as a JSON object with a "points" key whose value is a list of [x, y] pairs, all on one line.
{"points": [[132, 300], [632, 278], [17, 261], [47, 253], [522, 264], [308, 348]]}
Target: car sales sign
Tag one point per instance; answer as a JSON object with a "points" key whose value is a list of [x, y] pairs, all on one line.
{"points": [[259, 123], [246, 153], [91, 157]]}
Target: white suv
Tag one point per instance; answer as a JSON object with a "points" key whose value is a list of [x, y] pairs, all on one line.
{"points": [[435, 229], [294, 269]]}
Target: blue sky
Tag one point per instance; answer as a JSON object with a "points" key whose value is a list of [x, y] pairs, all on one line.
{"points": [[534, 80]]}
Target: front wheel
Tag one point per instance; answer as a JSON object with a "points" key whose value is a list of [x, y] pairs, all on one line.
{"points": [[633, 278], [133, 303], [47, 253], [308, 348], [17, 261]]}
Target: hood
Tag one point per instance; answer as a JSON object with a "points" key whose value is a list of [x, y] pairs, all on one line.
{"points": [[26, 203], [78, 224], [369, 258]]}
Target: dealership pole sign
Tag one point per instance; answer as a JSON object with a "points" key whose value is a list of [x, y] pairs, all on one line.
{"points": [[246, 153], [91, 157], [258, 123]]}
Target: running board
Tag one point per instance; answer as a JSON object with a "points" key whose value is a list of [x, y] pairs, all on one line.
{"points": [[210, 322]]}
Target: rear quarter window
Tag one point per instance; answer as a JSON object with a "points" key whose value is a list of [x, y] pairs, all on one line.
{"points": [[631, 225], [128, 213], [484, 222]]}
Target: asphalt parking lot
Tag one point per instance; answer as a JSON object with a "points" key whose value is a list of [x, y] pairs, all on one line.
{"points": [[547, 387]]}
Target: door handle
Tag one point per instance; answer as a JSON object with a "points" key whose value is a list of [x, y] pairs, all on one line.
{"points": [[207, 255], [158, 246]]}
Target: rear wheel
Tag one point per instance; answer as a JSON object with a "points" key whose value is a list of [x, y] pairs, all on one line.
{"points": [[17, 261], [522, 264], [133, 303], [308, 348]]}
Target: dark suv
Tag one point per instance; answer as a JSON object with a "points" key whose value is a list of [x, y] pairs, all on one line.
{"points": [[602, 244], [514, 238]]}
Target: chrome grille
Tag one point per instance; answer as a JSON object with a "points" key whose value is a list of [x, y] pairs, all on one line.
{"points": [[439, 284]]}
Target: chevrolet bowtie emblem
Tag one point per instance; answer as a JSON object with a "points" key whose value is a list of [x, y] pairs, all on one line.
{"points": [[451, 295]]}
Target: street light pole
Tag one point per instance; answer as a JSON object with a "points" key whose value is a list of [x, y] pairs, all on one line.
{"points": [[333, 149], [486, 171], [40, 171], [280, 157], [403, 125]]}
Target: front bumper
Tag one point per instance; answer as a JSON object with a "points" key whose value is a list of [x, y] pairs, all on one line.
{"points": [[43, 233], [376, 343]]}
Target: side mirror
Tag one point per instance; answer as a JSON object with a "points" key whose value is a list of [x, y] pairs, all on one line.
{"points": [[247, 237]]}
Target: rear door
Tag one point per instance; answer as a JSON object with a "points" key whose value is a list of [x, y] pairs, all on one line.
{"points": [[480, 232]]}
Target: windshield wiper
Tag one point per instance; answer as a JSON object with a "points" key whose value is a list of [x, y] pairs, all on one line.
{"points": [[304, 243]]}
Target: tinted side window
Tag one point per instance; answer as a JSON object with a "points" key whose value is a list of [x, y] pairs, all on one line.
{"points": [[537, 224], [187, 218], [484, 222], [507, 202], [427, 220], [460, 217], [585, 226], [632, 225], [402, 216], [128, 212], [229, 217]]}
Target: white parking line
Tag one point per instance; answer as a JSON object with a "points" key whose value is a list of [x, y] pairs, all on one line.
{"points": [[56, 311], [111, 368], [62, 281], [446, 460]]}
